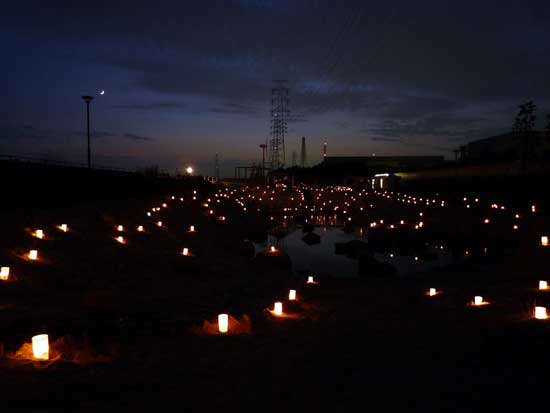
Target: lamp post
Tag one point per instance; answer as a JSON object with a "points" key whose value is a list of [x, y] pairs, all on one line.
{"points": [[88, 99]]}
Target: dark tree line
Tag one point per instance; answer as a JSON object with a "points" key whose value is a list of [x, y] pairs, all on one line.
{"points": [[526, 118], [524, 125]]}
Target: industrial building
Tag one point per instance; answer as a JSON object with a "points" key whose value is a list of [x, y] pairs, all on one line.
{"points": [[384, 163], [508, 147]]}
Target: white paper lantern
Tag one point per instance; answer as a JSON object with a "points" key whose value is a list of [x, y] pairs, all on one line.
{"points": [[540, 313], [41, 347], [278, 308], [223, 323]]}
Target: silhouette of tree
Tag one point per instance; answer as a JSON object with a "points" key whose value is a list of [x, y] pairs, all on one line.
{"points": [[525, 119], [523, 126]]}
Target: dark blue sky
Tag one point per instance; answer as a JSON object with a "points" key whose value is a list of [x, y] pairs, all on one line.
{"points": [[185, 80]]}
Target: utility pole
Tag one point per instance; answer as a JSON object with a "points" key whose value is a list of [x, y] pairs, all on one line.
{"points": [[303, 157], [88, 99], [279, 128], [264, 150], [217, 168]]}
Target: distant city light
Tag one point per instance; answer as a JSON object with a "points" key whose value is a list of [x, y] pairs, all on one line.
{"points": [[189, 170]]}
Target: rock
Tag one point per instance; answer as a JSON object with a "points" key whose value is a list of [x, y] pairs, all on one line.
{"points": [[311, 238], [351, 249], [308, 227]]}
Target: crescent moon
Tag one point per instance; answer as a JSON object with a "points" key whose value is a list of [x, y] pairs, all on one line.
{"points": [[102, 92]]}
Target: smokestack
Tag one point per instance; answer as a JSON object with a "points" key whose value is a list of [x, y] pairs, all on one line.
{"points": [[303, 159]]}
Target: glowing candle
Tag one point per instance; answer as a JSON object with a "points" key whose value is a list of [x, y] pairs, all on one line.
{"points": [[543, 285], [140, 228], [272, 249], [540, 313], [159, 224], [33, 254], [478, 300], [39, 233], [185, 251], [40, 347], [432, 292], [544, 241], [192, 228], [120, 239], [278, 308], [292, 295], [120, 228], [4, 273], [223, 323]]}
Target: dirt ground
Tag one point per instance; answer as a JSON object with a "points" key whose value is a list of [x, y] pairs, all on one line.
{"points": [[124, 320]]}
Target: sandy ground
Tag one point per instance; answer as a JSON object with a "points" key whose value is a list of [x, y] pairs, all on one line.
{"points": [[125, 317]]}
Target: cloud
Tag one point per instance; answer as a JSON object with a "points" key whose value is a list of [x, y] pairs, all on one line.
{"points": [[385, 139], [442, 125], [135, 137], [24, 131], [408, 71], [154, 106], [94, 134], [236, 109]]}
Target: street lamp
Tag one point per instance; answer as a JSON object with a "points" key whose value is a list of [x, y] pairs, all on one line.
{"points": [[88, 99]]}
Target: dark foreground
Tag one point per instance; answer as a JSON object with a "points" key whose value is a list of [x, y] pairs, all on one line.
{"points": [[129, 315]]}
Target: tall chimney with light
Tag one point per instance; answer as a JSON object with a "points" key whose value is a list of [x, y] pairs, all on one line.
{"points": [[88, 99]]}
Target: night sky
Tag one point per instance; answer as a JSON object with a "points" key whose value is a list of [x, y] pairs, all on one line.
{"points": [[189, 79]]}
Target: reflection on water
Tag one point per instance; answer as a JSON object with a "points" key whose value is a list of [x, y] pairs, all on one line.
{"points": [[321, 258]]}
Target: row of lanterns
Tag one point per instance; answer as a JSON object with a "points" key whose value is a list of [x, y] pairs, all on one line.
{"points": [[40, 342], [478, 301], [40, 345]]}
